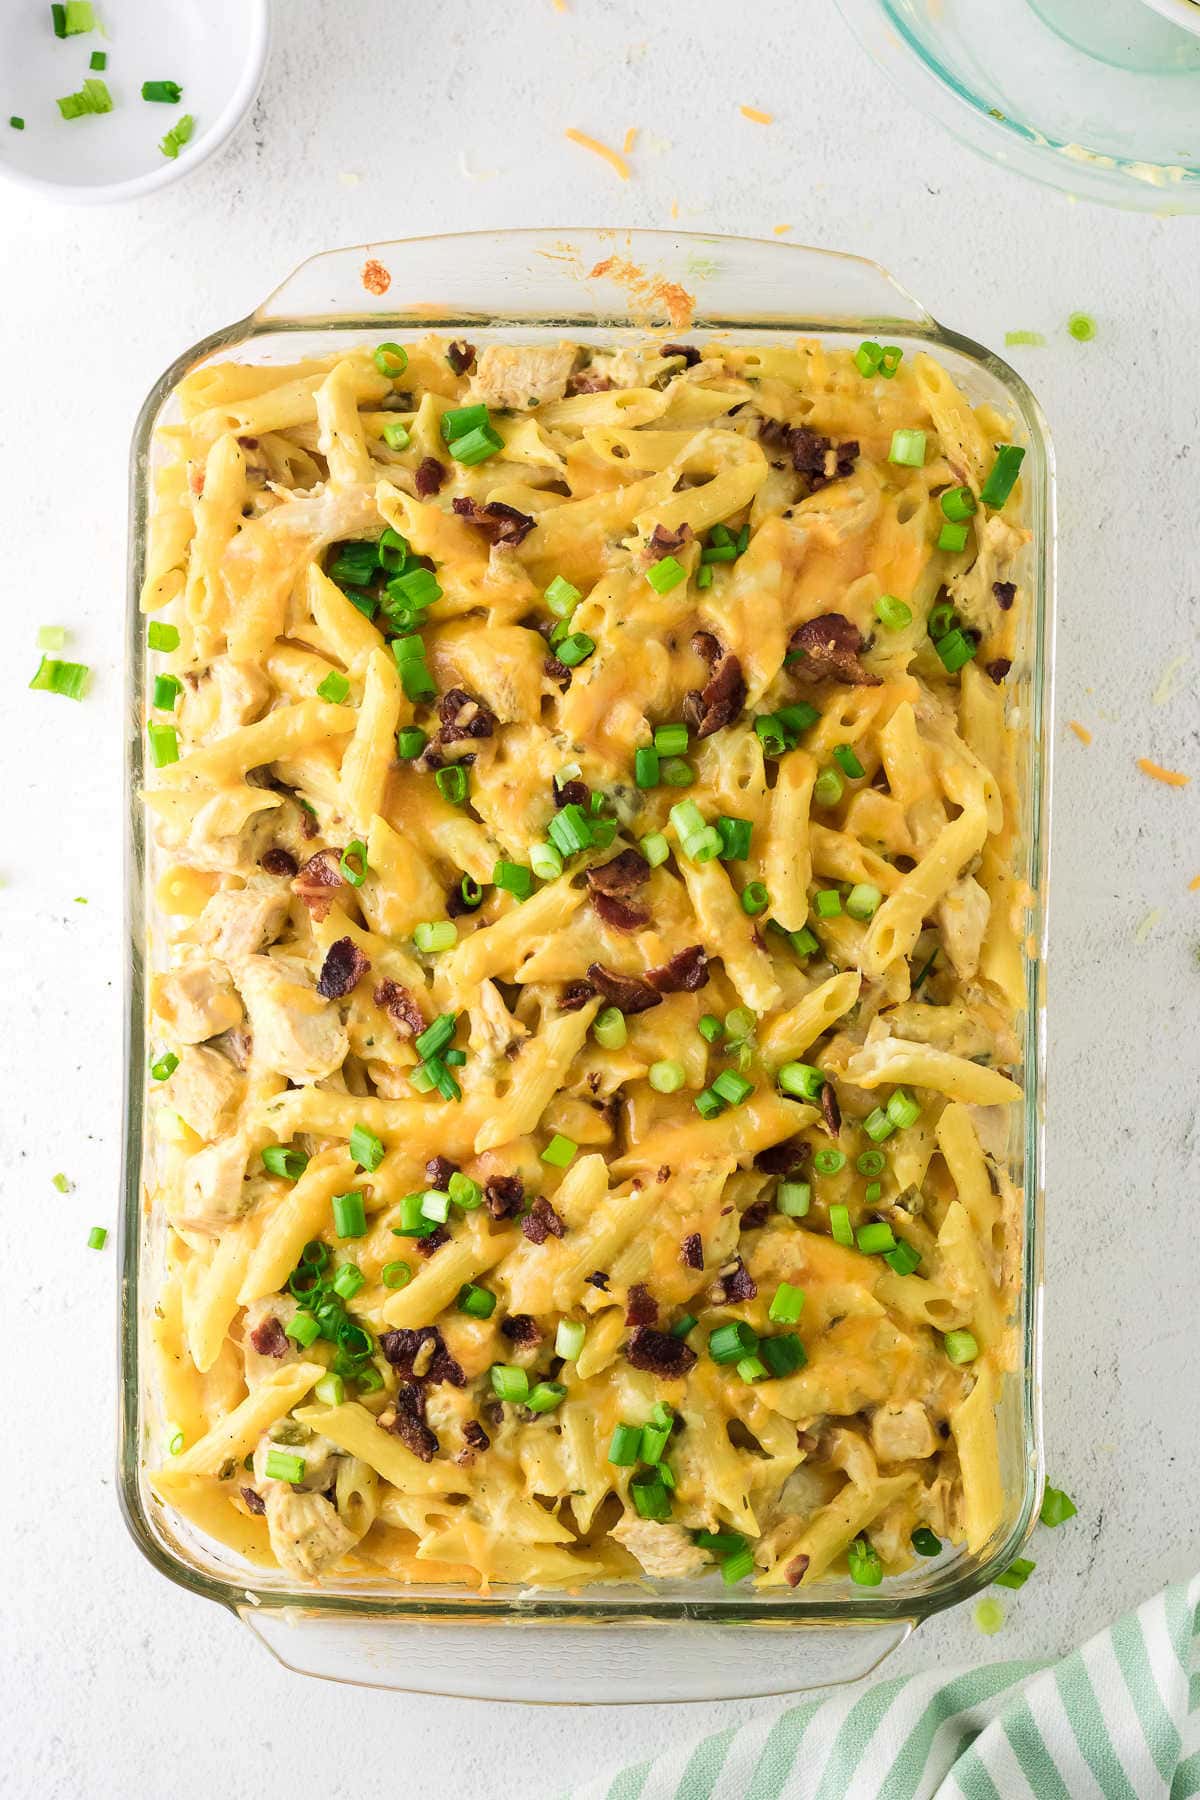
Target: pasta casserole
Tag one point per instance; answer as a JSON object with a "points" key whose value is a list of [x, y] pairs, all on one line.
{"points": [[586, 983]]}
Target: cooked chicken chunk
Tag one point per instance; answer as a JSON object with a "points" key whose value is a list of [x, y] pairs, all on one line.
{"points": [[244, 692], [522, 375], [662, 1550], [206, 1091], [213, 1190], [197, 1000], [901, 1433], [306, 1533], [296, 1032], [238, 922], [962, 916]]}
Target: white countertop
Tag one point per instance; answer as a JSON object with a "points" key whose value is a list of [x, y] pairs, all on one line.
{"points": [[370, 119]]}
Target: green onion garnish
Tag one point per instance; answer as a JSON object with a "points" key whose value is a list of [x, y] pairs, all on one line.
{"points": [[569, 1339], [863, 901], [97, 1238], [304, 1329], [396, 436], [908, 449], [955, 650], [1017, 1573], [902, 1109], [435, 935], [952, 538], [279, 1160], [793, 1199], [610, 1028], [545, 861], [708, 1104], [730, 1342], [62, 1183], [366, 1148], [1003, 475], [168, 91], [626, 1445], [783, 1355], [844, 756], [958, 503], [392, 360], [840, 1228], [732, 1087], [926, 1542], [655, 849], [1057, 1507], [575, 649], [348, 1280], [960, 1346], [410, 742], [874, 1240], [451, 783], [829, 1162], [828, 788], [514, 878], [786, 1305], [867, 357], [677, 773], [1023, 337], [802, 1080], [353, 863], [671, 740], [165, 1067], [827, 902], [160, 636], [478, 1302], [164, 744], [178, 136], [284, 1465], [560, 1151], [16, 121], [335, 687], [349, 1215], [755, 898], [864, 1564], [645, 767], [710, 1027], [67, 678], [166, 692], [476, 446], [735, 835], [1082, 327], [893, 614], [509, 1382], [562, 598], [665, 575], [666, 1077]]}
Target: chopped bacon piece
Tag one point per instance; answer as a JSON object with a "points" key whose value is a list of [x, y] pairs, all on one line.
{"points": [[344, 967], [813, 456], [401, 1348], [521, 1328], [463, 716], [641, 1308], [689, 353], [460, 356], [269, 1338], [796, 1570], [706, 645], [558, 671], [475, 1435], [499, 523], [686, 971], [691, 1251], [597, 1279], [831, 644], [405, 1418], [254, 1501], [720, 701], [734, 1283], [664, 542], [575, 996], [541, 1222], [400, 1006], [588, 382], [619, 914], [658, 1353], [429, 477], [628, 993], [782, 1159], [756, 1216], [571, 793], [438, 1171], [1005, 592], [620, 877], [280, 862], [318, 882], [503, 1196], [831, 1112], [998, 669], [427, 1245]]}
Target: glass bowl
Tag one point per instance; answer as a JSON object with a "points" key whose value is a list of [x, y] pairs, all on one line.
{"points": [[1097, 97]]}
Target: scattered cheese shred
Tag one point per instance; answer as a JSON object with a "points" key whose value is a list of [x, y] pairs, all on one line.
{"points": [[779, 230], [630, 139], [1194, 885], [612, 157], [1081, 731], [1156, 772], [1167, 681], [758, 118], [560, 6], [1147, 925]]}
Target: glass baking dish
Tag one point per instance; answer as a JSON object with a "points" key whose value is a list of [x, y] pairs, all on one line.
{"points": [[641, 1641]]}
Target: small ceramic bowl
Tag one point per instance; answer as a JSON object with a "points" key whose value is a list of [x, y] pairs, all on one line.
{"points": [[216, 50]]}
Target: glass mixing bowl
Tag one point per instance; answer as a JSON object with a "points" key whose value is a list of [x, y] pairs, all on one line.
{"points": [[1098, 97]]}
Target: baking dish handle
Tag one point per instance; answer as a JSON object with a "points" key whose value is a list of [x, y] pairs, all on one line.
{"points": [[591, 1665]]}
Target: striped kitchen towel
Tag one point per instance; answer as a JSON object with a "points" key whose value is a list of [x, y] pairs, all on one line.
{"points": [[1119, 1718]]}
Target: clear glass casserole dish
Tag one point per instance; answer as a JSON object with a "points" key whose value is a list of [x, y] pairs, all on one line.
{"points": [[645, 1641]]}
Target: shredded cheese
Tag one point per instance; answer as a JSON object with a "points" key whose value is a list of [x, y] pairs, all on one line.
{"points": [[630, 139], [758, 118], [613, 157], [1194, 885], [1156, 772], [674, 209], [1081, 731], [779, 230], [1167, 681]]}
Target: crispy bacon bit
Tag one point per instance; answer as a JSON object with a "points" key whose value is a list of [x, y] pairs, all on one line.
{"points": [[435, 1240], [831, 644], [781, 1159], [558, 671], [499, 523], [344, 967], [597, 1279], [813, 456], [619, 914], [571, 793], [463, 716], [691, 1251], [663, 542], [628, 993], [620, 877], [663, 1173], [641, 1308], [575, 996], [1006, 593], [796, 1570], [808, 1441], [308, 823], [401, 1348], [475, 1435], [686, 971], [503, 1196], [438, 1171], [248, 443], [318, 882], [658, 1353], [720, 701], [998, 669], [280, 862], [461, 356], [541, 1222], [756, 1216], [689, 353], [707, 646], [831, 1112], [521, 1328], [400, 1007], [734, 1283], [375, 277], [405, 1418], [429, 477], [269, 1338], [588, 382], [254, 1501]]}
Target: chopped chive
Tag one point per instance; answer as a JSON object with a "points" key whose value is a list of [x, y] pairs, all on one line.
{"points": [[168, 91], [829, 1162]]}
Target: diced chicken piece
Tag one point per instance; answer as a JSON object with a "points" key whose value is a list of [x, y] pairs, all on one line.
{"points": [[264, 1320], [206, 1091], [306, 1534], [902, 1433], [522, 375], [238, 922], [231, 831], [213, 1191], [197, 1000], [962, 917], [972, 591], [663, 1550], [244, 692], [296, 1032]]}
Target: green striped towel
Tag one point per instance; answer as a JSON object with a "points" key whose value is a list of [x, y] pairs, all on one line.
{"points": [[1119, 1718]]}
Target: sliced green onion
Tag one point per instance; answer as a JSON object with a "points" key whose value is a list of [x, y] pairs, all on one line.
{"points": [[348, 1280], [648, 1491], [610, 1028], [16, 121], [893, 614], [847, 761], [755, 898], [890, 361], [1003, 475], [470, 892], [786, 1305], [465, 1192], [878, 1126], [569, 1339], [349, 1215], [801, 1080], [796, 717], [392, 360], [902, 1109], [655, 849], [97, 1237], [738, 1566], [730, 1342], [561, 597], [874, 1240], [671, 740], [67, 678], [926, 1542], [164, 744], [655, 1439], [645, 767], [560, 1151], [666, 1077], [477, 446], [827, 903], [435, 1205], [410, 742], [625, 1449], [677, 773], [708, 1104], [510, 1382], [864, 900], [989, 1617], [704, 846], [958, 503], [575, 649], [545, 861], [436, 1035], [62, 1183], [478, 1302], [366, 1148], [840, 1228], [908, 449], [166, 692], [940, 620], [752, 1368], [868, 357], [829, 1162], [451, 783], [161, 636], [413, 1222], [960, 1346], [335, 687], [353, 863], [871, 1163], [864, 1564], [279, 1160], [903, 1259], [721, 1543], [828, 788], [178, 136], [710, 1027], [165, 1067], [570, 829], [735, 835], [545, 1396], [685, 1323], [704, 576], [1082, 327], [169, 91], [731, 1086], [415, 588], [783, 1355], [1057, 1507], [793, 1198], [1024, 337], [953, 538], [396, 436], [803, 942], [771, 734], [395, 1274], [955, 650], [303, 1329], [284, 1465], [665, 575], [513, 878], [417, 682]]}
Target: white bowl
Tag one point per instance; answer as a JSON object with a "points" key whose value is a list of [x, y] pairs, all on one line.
{"points": [[215, 49], [1180, 12]]}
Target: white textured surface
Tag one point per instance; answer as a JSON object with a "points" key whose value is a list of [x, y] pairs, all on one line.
{"points": [[117, 1683]]}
